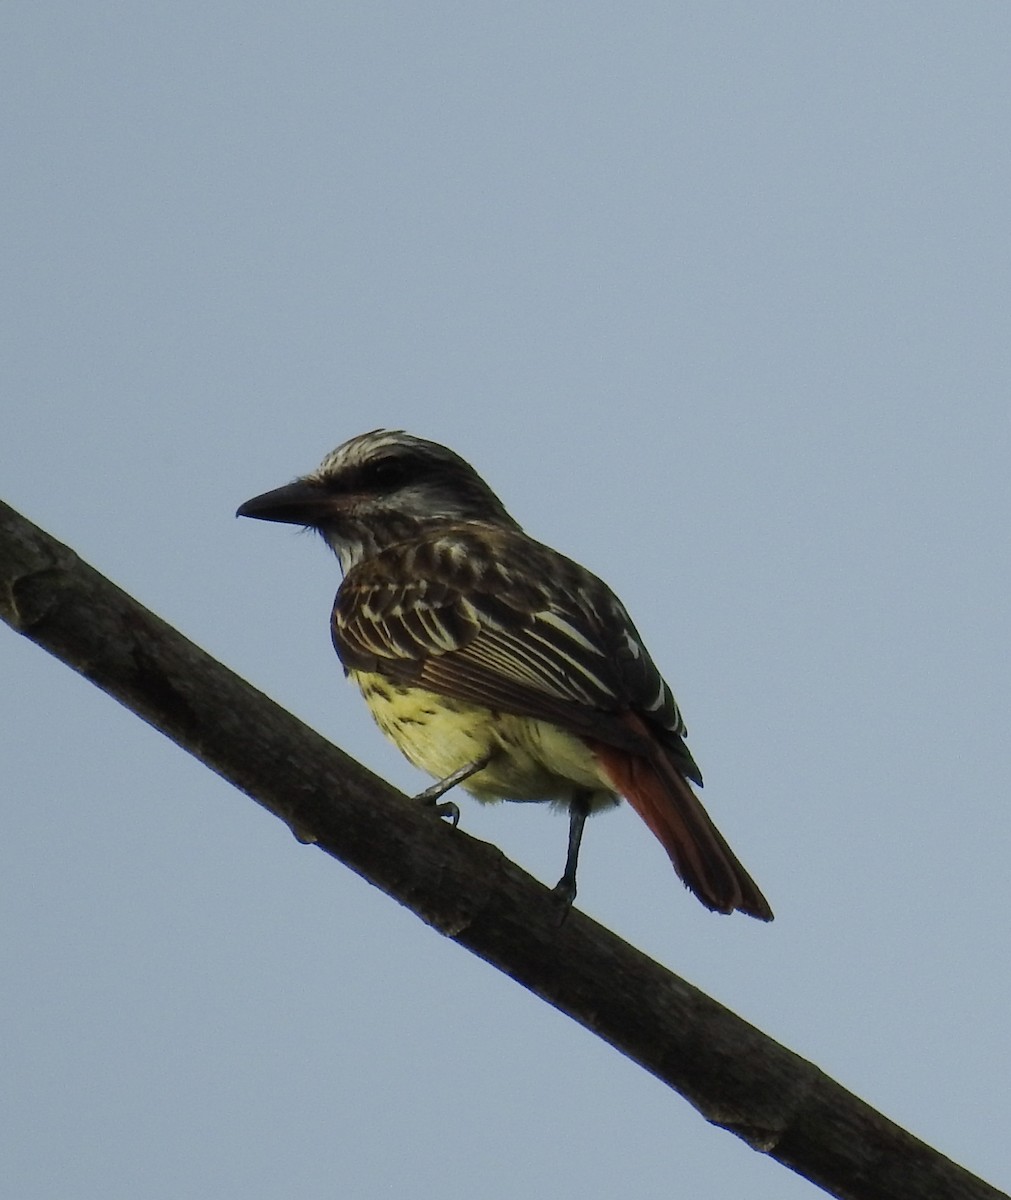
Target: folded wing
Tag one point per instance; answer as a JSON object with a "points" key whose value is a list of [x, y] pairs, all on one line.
{"points": [[488, 616]]}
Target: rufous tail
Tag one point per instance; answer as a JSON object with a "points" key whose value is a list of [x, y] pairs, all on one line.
{"points": [[664, 799]]}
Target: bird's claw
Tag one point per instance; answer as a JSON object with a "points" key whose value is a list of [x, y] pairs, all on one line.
{"points": [[444, 808], [448, 809]]}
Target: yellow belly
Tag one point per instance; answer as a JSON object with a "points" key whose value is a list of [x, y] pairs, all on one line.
{"points": [[532, 760]]}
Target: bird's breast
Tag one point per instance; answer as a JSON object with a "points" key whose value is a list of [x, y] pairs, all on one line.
{"points": [[531, 759]]}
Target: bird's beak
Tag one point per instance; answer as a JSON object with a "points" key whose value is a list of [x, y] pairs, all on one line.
{"points": [[304, 502]]}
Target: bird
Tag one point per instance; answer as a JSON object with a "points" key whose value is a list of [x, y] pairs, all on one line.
{"points": [[496, 663]]}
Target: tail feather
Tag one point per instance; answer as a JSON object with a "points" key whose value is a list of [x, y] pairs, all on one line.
{"points": [[661, 795]]}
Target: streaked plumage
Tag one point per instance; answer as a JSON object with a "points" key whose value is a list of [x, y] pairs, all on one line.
{"points": [[470, 640]]}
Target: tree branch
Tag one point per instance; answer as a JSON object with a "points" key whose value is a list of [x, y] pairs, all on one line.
{"points": [[731, 1072]]}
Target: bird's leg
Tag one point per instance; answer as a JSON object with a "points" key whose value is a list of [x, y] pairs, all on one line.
{"points": [[432, 795], [579, 810]]}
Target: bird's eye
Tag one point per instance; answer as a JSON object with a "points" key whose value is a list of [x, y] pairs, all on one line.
{"points": [[386, 473]]}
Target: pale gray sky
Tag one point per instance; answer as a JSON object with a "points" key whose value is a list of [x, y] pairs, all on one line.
{"points": [[717, 297]]}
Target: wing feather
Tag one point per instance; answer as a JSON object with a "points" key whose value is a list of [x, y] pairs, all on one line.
{"points": [[487, 615]]}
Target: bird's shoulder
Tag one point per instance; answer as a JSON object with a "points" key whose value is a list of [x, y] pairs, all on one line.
{"points": [[488, 572], [443, 591]]}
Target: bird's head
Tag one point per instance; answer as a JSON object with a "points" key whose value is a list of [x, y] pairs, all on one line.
{"points": [[379, 488]]}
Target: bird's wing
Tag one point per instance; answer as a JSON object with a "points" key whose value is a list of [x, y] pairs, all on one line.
{"points": [[490, 616]]}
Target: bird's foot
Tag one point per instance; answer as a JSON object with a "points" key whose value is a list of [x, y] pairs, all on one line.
{"points": [[434, 793], [431, 798], [563, 896], [447, 808]]}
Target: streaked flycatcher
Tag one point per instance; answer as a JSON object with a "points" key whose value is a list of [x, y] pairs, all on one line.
{"points": [[494, 662]]}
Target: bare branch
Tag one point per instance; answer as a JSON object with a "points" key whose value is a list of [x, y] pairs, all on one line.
{"points": [[731, 1072]]}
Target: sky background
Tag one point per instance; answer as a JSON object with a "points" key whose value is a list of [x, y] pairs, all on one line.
{"points": [[717, 298]]}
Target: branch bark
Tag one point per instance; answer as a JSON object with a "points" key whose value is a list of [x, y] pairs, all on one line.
{"points": [[732, 1073]]}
